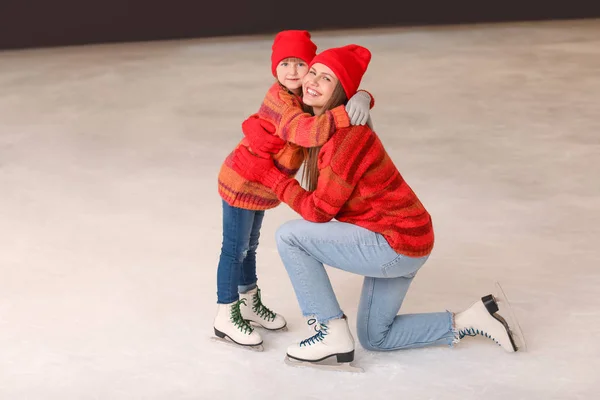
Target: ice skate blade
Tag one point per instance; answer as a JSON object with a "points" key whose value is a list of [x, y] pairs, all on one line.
{"points": [[341, 367], [258, 347], [507, 311]]}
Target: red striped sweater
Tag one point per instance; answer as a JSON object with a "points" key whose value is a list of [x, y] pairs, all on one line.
{"points": [[284, 110], [359, 184]]}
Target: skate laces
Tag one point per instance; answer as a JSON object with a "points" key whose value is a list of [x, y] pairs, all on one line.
{"points": [[260, 309], [238, 320], [318, 337], [474, 332]]}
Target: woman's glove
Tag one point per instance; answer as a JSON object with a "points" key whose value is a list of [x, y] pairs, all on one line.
{"points": [[358, 108], [256, 169]]}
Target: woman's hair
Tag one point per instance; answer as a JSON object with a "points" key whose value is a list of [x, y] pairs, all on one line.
{"points": [[310, 174]]}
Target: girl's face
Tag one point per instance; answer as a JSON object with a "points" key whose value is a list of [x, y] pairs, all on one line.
{"points": [[318, 86], [290, 73]]}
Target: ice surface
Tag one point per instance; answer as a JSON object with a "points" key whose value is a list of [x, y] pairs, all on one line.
{"points": [[110, 220]]}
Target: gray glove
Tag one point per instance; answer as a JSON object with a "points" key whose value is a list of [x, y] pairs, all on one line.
{"points": [[358, 108]]}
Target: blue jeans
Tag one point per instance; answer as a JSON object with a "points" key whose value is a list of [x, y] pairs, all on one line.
{"points": [[305, 246], [237, 265]]}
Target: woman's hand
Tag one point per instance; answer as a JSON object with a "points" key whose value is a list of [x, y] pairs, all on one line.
{"points": [[359, 107], [256, 169]]}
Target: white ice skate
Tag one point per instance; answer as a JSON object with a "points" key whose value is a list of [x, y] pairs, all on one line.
{"points": [[231, 328], [482, 318], [256, 312], [332, 339]]}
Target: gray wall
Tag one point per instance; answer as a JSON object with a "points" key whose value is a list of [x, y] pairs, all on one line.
{"points": [[40, 23]]}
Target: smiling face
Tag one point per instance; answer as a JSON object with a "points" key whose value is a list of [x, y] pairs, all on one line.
{"points": [[290, 72], [318, 86]]}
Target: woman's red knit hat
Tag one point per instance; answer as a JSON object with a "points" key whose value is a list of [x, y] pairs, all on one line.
{"points": [[349, 63]]}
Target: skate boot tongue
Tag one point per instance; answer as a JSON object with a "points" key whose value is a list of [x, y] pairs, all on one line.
{"points": [[237, 319], [321, 330], [260, 309]]}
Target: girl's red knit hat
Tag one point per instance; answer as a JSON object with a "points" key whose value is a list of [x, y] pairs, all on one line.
{"points": [[349, 63], [292, 43]]}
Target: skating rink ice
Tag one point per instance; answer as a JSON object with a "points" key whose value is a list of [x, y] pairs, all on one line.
{"points": [[110, 221]]}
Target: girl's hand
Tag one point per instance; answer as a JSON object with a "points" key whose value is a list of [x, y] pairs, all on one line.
{"points": [[261, 135]]}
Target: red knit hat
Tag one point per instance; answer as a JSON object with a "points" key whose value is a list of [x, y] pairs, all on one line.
{"points": [[292, 44], [348, 63]]}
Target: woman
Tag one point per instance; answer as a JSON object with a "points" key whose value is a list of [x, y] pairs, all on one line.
{"points": [[382, 232]]}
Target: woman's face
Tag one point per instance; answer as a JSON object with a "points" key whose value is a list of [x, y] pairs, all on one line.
{"points": [[318, 86]]}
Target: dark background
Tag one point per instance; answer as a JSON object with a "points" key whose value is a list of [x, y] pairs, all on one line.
{"points": [[42, 23]]}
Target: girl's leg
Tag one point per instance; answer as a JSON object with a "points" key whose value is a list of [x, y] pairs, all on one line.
{"points": [[237, 228], [253, 308], [248, 274]]}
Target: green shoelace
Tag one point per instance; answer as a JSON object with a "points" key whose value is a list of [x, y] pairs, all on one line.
{"points": [[238, 320], [260, 309]]}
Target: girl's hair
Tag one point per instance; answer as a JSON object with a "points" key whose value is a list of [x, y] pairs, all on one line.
{"points": [[310, 174], [292, 59]]}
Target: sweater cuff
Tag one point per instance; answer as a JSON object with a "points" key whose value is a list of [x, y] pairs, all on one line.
{"points": [[340, 117], [273, 178], [371, 96]]}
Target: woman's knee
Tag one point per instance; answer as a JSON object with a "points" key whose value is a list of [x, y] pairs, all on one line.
{"points": [[286, 233], [369, 339], [372, 332]]}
